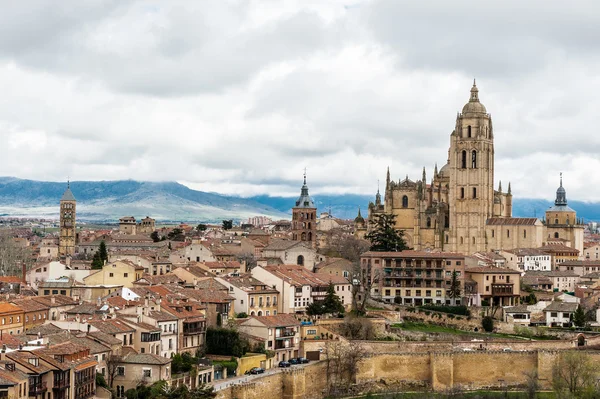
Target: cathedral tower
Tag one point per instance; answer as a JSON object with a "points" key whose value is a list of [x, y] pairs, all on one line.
{"points": [[304, 217], [66, 244], [471, 188]]}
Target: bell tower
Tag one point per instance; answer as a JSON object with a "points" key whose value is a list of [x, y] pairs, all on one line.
{"points": [[304, 217], [68, 203], [471, 187]]}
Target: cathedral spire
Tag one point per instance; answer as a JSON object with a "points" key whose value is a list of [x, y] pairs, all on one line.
{"points": [[474, 93], [424, 176], [500, 186], [561, 194], [435, 170], [509, 190]]}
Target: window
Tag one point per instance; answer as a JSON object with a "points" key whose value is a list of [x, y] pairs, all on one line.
{"points": [[463, 163], [125, 274], [428, 222], [507, 233], [300, 260], [474, 159], [492, 233], [121, 370], [553, 314], [556, 235], [110, 274], [524, 233], [473, 240], [462, 192], [469, 131], [474, 192], [147, 373], [461, 240]]}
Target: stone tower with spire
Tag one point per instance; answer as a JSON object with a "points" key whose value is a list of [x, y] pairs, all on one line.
{"points": [[471, 194], [304, 217], [562, 224], [68, 235]]}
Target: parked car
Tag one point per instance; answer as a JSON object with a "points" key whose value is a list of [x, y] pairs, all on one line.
{"points": [[294, 361], [256, 370], [283, 363], [303, 360]]}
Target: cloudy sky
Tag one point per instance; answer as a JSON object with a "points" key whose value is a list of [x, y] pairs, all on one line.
{"points": [[238, 97]]}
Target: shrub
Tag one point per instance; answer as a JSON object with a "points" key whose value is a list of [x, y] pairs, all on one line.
{"points": [[451, 316], [242, 315], [487, 323]]}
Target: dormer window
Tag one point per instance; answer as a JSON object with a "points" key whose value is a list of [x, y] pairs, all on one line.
{"points": [[34, 361]]}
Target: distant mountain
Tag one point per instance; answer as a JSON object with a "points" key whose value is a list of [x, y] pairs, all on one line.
{"points": [[110, 200], [345, 206], [171, 201]]}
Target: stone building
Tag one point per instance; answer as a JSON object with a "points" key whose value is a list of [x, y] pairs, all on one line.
{"points": [[459, 210], [66, 243], [304, 218], [128, 225]]}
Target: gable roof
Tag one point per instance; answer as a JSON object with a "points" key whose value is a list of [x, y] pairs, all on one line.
{"points": [[278, 320], [556, 306]]}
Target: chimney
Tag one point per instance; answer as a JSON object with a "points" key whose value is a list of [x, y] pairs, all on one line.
{"points": [[138, 310]]}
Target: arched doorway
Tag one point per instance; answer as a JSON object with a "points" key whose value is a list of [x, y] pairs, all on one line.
{"points": [[300, 260]]}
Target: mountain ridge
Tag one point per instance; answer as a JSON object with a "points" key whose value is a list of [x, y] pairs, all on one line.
{"points": [[108, 200]]}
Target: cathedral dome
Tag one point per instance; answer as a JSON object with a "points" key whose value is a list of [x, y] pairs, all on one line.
{"points": [[444, 170], [474, 106]]}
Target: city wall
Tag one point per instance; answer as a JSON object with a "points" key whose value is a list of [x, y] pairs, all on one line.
{"points": [[437, 371]]}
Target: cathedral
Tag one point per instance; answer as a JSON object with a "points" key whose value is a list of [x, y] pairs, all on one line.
{"points": [[459, 209]]}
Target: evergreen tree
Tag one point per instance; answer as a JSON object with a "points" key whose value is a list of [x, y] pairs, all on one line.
{"points": [[454, 290], [385, 237], [201, 227], [227, 224], [332, 303], [579, 317], [315, 308], [97, 262], [103, 252], [155, 236]]}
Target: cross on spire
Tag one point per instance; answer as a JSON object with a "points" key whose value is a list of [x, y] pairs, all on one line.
{"points": [[305, 175]]}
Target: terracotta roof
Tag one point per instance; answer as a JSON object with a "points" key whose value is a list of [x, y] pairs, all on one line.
{"points": [[526, 252], [495, 270], [168, 278], [299, 275], [248, 283], [94, 345], [10, 279], [511, 221], [281, 245], [29, 305], [45, 329], [278, 320], [196, 270], [145, 358], [517, 309], [558, 248], [111, 326], [59, 300], [413, 254], [104, 338], [121, 303], [6, 307], [556, 306], [210, 284]]}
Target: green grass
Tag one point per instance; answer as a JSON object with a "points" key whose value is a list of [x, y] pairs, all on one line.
{"points": [[432, 328]]}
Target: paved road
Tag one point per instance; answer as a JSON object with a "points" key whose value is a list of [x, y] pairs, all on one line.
{"points": [[222, 384]]}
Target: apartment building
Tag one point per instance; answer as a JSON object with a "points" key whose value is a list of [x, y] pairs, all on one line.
{"points": [[252, 296]]}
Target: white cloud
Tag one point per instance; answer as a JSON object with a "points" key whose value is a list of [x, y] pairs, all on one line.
{"points": [[238, 97]]}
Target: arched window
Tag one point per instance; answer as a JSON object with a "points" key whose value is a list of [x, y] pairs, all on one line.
{"points": [[300, 260], [555, 221], [473, 240], [303, 237], [428, 222], [295, 237], [309, 236], [469, 131], [260, 313], [474, 192], [405, 202], [492, 233], [461, 240], [446, 222], [507, 233], [463, 163], [524, 233], [309, 225], [474, 159], [556, 235], [446, 239], [462, 192]]}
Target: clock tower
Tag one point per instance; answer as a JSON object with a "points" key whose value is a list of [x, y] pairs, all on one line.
{"points": [[66, 244]]}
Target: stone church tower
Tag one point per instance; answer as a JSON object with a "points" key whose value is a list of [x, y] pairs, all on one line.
{"points": [[304, 218], [471, 161], [66, 244]]}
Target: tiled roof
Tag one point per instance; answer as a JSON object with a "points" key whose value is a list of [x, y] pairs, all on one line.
{"points": [[511, 221], [104, 338], [10, 279], [145, 358], [556, 306], [527, 252], [45, 329], [280, 245], [299, 275], [517, 309], [210, 284], [494, 270], [6, 307], [278, 320], [558, 248], [84, 308], [196, 271], [168, 278], [59, 300], [413, 254], [140, 325], [111, 326], [29, 305], [120, 302], [161, 315], [248, 283]]}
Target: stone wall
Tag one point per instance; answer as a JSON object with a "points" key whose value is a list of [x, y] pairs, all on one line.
{"points": [[439, 371]]}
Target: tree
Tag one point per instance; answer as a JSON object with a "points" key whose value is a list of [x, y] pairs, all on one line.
{"points": [[575, 373], [155, 237], [385, 237], [315, 308], [227, 224], [454, 290], [219, 320], [201, 227], [97, 261], [12, 256], [487, 323], [103, 252], [242, 315], [362, 283], [332, 303], [112, 366], [579, 317], [248, 259], [176, 234], [342, 365], [341, 244], [357, 328]]}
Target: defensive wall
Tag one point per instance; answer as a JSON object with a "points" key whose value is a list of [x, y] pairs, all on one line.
{"points": [[419, 370]]}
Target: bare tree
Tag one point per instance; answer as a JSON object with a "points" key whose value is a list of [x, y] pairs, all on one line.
{"points": [[12, 255], [358, 328], [113, 362], [247, 258], [574, 374], [363, 280], [532, 384], [342, 244], [342, 365]]}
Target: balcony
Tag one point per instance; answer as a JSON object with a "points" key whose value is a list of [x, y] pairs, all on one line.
{"points": [[283, 344], [61, 384], [193, 331], [84, 380], [504, 289], [38, 389], [282, 334]]}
